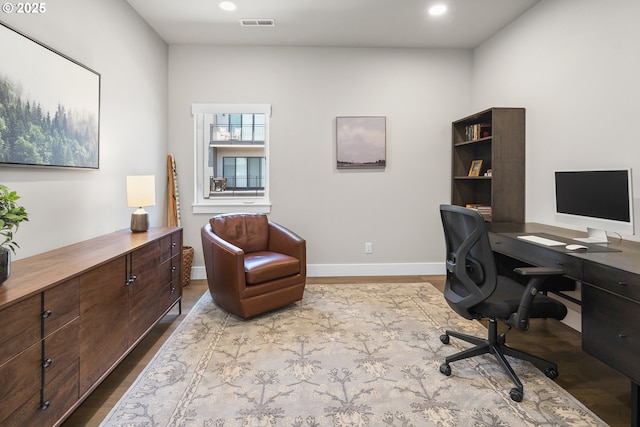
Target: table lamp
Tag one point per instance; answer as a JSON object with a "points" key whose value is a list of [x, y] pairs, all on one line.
{"points": [[141, 191]]}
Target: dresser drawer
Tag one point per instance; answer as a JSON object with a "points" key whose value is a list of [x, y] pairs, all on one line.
{"points": [[27, 414], [20, 380], [59, 396], [170, 246], [20, 326], [61, 305], [611, 279], [610, 330], [61, 350], [170, 294], [169, 271], [536, 255]]}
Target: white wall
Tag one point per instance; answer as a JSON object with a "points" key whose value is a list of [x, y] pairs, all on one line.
{"points": [[67, 206], [336, 211], [575, 66]]}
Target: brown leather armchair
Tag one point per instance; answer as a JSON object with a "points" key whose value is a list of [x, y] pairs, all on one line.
{"points": [[253, 265]]}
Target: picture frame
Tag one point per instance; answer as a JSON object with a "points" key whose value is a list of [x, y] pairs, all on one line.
{"points": [[361, 142], [50, 108], [474, 170]]}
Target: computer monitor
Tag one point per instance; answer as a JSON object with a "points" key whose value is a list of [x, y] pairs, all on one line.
{"points": [[601, 200]]}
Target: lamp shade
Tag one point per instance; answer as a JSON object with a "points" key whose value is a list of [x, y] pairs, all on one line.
{"points": [[141, 190]]}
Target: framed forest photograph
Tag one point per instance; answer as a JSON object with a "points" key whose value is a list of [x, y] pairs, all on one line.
{"points": [[361, 142], [49, 106]]}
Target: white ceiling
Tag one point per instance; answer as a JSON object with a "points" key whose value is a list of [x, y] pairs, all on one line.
{"points": [[344, 23]]}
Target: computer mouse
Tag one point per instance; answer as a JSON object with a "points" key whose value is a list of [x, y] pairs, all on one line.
{"points": [[578, 248]]}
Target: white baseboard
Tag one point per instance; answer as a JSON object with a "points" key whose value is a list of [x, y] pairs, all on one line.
{"points": [[391, 269], [198, 273], [337, 270]]}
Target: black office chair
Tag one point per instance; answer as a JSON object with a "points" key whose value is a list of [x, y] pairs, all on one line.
{"points": [[475, 291]]}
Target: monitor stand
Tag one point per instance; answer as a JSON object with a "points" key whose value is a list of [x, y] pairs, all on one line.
{"points": [[594, 235]]}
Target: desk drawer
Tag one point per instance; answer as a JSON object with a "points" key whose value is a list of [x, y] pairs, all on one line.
{"points": [[536, 255], [611, 279], [610, 330]]}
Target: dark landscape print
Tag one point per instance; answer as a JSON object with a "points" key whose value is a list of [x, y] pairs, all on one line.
{"points": [[49, 106], [31, 136]]}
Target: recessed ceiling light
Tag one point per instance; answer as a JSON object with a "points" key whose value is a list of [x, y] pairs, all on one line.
{"points": [[228, 6], [438, 9]]}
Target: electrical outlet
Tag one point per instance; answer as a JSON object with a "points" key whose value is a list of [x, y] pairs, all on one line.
{"points": [[368, 248]]}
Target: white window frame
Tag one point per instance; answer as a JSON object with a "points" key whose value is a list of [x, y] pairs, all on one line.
{"points": [[256, 204]]}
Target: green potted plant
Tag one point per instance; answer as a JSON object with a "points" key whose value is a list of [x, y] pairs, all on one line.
{"points": [[11, 215]]}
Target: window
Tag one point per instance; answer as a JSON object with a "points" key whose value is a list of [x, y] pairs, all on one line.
{"points": [[231, 146]]}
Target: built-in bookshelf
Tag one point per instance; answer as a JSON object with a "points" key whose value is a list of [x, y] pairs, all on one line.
{"points": [[488, 163]]}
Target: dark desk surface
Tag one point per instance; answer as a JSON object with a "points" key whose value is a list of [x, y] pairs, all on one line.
{"points": [[627, 259]]}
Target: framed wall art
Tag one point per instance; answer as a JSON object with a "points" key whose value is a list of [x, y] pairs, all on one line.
{"points": [[361, 142], [49, 106]]}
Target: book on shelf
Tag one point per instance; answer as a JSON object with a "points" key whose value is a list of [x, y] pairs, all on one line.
{"points": [[477, 131], [484, 210]]}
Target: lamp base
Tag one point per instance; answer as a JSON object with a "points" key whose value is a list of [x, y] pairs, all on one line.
{"points": [[139, 221]]}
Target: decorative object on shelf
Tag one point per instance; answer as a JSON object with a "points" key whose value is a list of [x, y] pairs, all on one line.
{"points": [[474, 170], [141, 192], [11, 215], [361, 142], [57, 118]]}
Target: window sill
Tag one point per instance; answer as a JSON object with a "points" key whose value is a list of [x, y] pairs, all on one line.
{"points": [[231, 206]]}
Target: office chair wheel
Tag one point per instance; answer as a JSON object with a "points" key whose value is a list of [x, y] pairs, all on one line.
{"points": [[516, 395], [551, 373], [445, 369], [444, 339]]}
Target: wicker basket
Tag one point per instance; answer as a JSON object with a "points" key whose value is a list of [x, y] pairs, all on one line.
{"points": [[187, 259]]}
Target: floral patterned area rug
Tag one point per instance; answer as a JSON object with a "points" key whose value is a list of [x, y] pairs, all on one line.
{"points": [[346, 355]]}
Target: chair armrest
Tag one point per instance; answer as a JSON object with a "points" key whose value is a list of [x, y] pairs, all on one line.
{"points": [[287, 242], [539, 271], [224, 262], [538, 275]]}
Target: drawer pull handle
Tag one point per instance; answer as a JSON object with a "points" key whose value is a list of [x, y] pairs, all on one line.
{"points": [[130, 280], [173, 289], [45, 405], [46, 363], [173, 244], [622, 336], [46, 313], [173, 268], [622, 283]]}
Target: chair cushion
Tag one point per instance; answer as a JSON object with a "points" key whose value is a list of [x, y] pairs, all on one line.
{"points": [[249, 232], [263, 266], [506, 298]]}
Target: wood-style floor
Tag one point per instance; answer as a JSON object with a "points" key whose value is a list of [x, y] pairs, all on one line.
{"points": [[600, 388]]}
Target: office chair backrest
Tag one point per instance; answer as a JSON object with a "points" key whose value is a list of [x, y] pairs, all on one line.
{"points": [[471, 269]]}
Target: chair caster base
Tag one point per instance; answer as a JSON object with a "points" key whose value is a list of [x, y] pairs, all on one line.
{"points": [[516, 394], [445, 369], [551, 373]]}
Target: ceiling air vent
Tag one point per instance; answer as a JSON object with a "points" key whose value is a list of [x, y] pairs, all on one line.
{"points": [[247, 22]]}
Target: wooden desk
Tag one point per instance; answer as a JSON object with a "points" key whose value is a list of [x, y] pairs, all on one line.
{"points": [[610, 295]]}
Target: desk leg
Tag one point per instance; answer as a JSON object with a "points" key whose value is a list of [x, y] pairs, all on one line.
{"points": [[635, 403]]}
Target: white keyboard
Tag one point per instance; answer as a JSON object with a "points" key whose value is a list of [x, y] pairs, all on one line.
{"points": [[542, 241]]}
